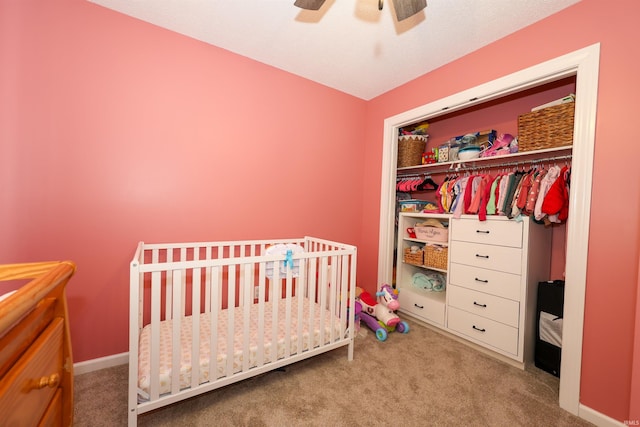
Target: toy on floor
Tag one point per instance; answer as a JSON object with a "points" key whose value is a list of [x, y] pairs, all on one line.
{"points": [[379, 314]]}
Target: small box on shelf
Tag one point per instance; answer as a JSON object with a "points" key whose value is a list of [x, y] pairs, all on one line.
{"points": [[433, 230], [433, 234], [412, 205]]}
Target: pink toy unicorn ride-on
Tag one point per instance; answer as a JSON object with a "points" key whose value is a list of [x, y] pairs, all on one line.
{"points": [[379, 314]]}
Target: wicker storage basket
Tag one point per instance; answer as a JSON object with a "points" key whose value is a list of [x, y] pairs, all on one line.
{"points": [[436, 256], [410, 149], [415, 258], [546, 128]]}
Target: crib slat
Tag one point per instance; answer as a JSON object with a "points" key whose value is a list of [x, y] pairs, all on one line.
{"points": [[168, 310], [216, 275], [313, 283], [333, 290], [261, 301], [247, 285], [276, 293], [323, 284], [177, 331], [207, 283], [344, 296], [155, 335], [287, 317], [302, 278], [231, 302], [195, 328]]}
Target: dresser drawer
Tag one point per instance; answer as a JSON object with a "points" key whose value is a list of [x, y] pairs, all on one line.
{"points": [[499, 258], [23, 398], [490, 306], [53, 414], [430, 308], [506, 285], [483, 330], [501, 233]]}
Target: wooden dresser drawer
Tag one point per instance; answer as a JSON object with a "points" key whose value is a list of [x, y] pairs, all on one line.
{"points": [[27, 389], [422, 306], [500, 233], [506, 285], [500, 309], [483, 330], [53, 415], [499, 258]]}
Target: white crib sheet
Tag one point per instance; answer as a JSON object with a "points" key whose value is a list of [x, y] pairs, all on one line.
{"points": [[144, 367]]}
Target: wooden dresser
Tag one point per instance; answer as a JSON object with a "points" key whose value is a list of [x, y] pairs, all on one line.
{"points": [[36, 364]]}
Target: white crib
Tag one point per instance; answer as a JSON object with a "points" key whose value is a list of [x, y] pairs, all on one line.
{"points": [[238, 308]]}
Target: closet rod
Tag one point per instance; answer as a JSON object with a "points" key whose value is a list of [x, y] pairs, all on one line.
{"points": [[509, 164], [456, 166]]}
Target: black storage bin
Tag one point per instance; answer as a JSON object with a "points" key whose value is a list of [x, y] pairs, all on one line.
{"points": [[550, 305]]}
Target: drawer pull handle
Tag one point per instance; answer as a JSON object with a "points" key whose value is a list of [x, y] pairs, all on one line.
{"points": [[481, 280], [483, 231], [419, 306], [479, 329], [52, 381], [482, 256], [480, 305]]}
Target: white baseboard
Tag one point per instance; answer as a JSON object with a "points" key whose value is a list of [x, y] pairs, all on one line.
{"points": [[100, 363], [597, 418]]}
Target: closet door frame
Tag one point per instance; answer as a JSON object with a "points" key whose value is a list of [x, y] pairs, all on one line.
{"points": [[584, 64]]}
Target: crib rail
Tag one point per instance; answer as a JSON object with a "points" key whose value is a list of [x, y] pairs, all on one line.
{"points": [[204, 289]]}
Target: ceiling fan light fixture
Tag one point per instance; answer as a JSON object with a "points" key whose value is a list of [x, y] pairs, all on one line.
{"points": [[309, 4], [404, 8], [408, 8]]}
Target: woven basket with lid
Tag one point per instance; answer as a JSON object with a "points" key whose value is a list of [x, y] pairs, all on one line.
{"points": [[546, 128]]}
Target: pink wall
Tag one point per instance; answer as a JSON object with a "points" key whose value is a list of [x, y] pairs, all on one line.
{"points": [[612, 276], [114, 131]]}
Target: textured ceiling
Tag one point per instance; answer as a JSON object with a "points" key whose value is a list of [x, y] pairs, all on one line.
{"points": [[348, 45]]}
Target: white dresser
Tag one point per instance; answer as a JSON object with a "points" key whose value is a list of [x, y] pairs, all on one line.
{"points": [[493, 271]]}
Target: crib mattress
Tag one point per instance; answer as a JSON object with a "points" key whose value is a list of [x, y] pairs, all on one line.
{"points": [[166, 345]]}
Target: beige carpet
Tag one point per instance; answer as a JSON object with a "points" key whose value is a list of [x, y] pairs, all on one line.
{"points": [[419, 379]]}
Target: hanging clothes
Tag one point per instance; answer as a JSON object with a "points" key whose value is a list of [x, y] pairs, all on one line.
{"points": [[542, 194], [545, 185], [556, 202]]}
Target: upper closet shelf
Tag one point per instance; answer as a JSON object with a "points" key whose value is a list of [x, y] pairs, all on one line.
{"points": [[524, 157]]}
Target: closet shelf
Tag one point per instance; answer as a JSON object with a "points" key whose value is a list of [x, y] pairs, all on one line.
{"points": [[498, 161]]}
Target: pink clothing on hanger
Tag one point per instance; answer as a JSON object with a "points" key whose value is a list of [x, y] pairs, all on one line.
{"points": [[440, 196], [482, 210], [458, 203], [556, 202], [533, 193], [545, 185], [472, 189]]}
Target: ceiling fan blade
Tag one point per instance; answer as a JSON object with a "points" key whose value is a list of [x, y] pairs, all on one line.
{"points": [[407, 8], [309, 4]]}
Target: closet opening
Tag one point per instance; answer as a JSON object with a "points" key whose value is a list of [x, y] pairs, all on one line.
{"points": [[504, 99]]}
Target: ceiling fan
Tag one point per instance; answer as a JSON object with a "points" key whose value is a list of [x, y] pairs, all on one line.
{"points": [[404, 8]]}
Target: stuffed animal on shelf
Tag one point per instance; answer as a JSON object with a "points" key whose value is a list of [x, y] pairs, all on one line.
{"points": [[379, 313]]}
